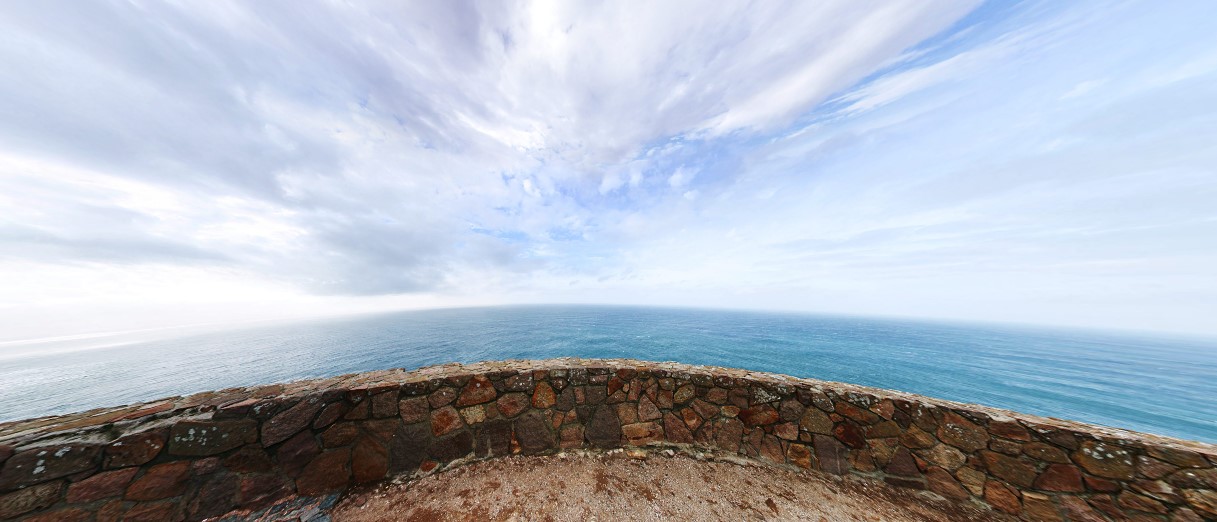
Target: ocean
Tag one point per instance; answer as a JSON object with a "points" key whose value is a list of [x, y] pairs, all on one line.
{"points": [[1155, 384]]}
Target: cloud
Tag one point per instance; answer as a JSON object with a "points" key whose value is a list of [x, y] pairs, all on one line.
{"points": [[624, 151]]}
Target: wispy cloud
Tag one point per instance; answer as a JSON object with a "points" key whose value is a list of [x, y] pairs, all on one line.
{"points": [[941, 158]]}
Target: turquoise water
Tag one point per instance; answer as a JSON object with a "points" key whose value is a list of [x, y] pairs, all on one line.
{"points": [[1166, 386]]}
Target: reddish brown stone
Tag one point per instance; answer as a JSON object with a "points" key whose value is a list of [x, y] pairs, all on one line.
{"points": [[642, 433], [148, 409], [384, 404], [1130, 500], [328, 472], [250, 459], [452, 447], [442, 397], [413, 410], [1060, 477], [832, 455], [800, 455], [885, 408], [728, 434], [369, 460], [594, 394], [684, 394], [287, 423], [1077, 510], [361, 410], [1018, 472], [940, 481], [716, 396], [944, 456], [860, 415], [1107, 504], [787, 431], [771, 449], [1039, 507], [1194, 478], [1179, 457], [445, 420], [1046, 452], [296, 453], [704, 409], [604, 428], [160, 481], [1185, 515], [962, 433], [691, 418], [534, 434], [1105, 460], [627, 413], [571, 437], [62, 515], [341, 434], [133, 450], [205, 438], [1007, 447], [647, 411], [1002, 498], [1159, 490], [512, 404], [330, 414], [520, 383], [917, 438], [16, 503], [1152, 468], [1103, 485], [205, 466], [863, 461], [1009, 429], [676, 430], [261, 489], [883, 430], [972, 479], [850, 434], [102, 485], [543, 396], [762, 415], [1202, 500], [216, 496], [153, 512], [902, 464], [111, 511], [566, 399], [51, 462], [663, 399], [479, 390]]}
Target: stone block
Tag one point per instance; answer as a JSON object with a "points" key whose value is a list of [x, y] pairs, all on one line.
{"points": [[43, 464], [204, 438], [289, 422], [133, 450], [160, 481]]}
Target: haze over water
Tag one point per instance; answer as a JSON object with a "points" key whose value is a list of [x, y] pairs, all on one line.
{"points": [[1156, 385]]}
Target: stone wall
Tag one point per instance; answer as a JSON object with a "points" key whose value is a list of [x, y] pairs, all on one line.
{"points": [[206, 454]]}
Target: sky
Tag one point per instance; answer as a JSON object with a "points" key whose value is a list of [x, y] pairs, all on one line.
{"points": [[181, 163]]}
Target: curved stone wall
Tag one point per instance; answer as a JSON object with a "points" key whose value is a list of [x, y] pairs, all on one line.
{"points": [[206, 454]]}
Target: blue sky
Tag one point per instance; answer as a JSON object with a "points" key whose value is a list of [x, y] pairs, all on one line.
{"points": [[1038, 162]]}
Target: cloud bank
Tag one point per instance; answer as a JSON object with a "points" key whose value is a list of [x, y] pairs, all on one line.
{"points": [[1029, 162]]}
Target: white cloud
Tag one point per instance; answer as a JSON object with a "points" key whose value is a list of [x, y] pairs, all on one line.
{"points": [[453, 152]]}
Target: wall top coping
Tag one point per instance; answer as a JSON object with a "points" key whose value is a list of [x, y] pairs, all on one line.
{"points": [[106, 424]]}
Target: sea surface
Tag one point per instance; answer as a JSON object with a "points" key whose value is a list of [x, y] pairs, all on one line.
{"points": [[1160, 385]]}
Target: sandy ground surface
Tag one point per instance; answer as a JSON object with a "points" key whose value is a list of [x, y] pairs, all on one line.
{"points": [[618, 487]]}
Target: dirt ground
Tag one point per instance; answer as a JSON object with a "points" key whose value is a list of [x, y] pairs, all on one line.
{"points": [[658, 487]]}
